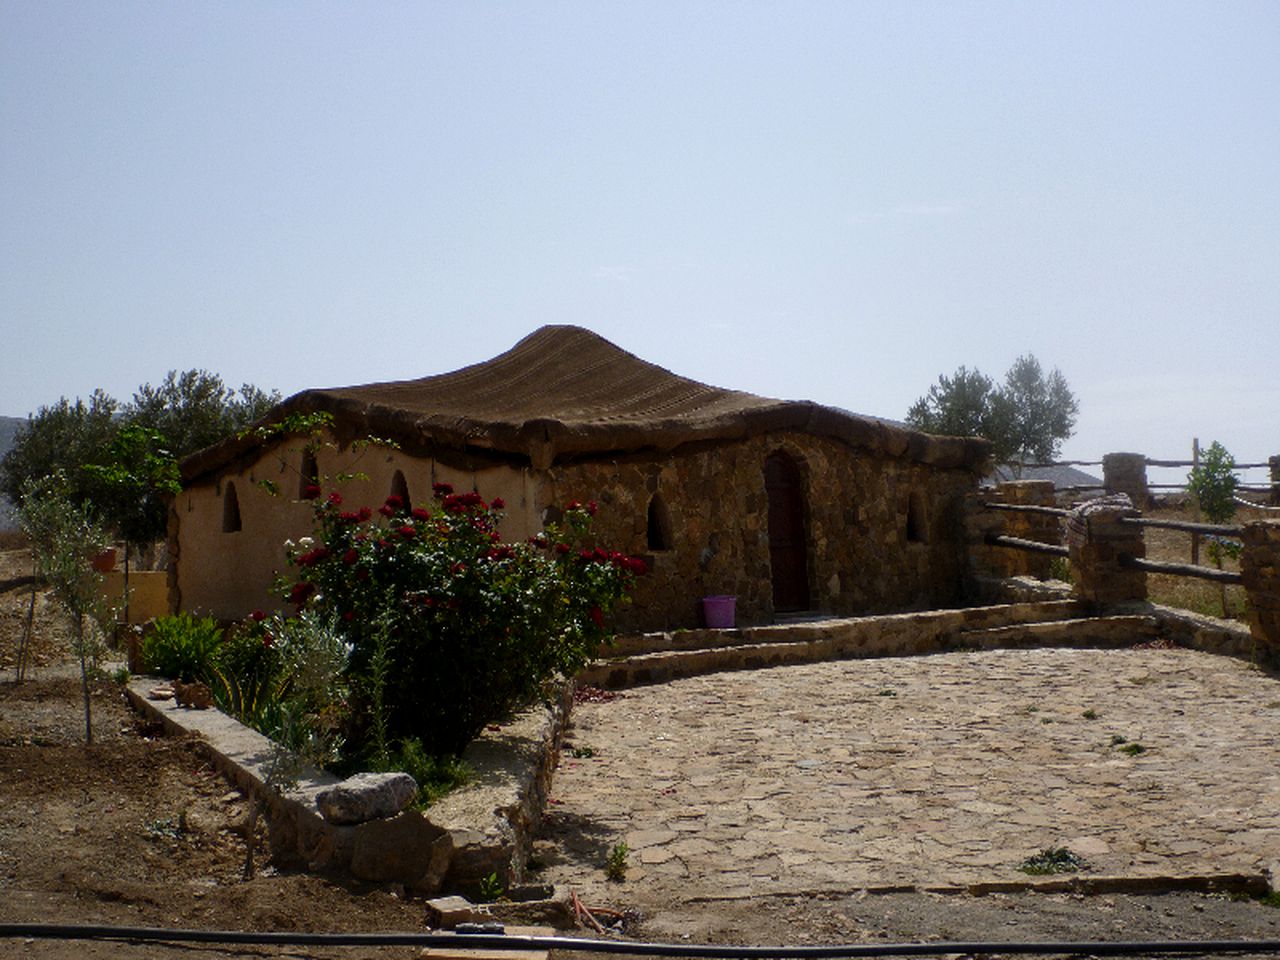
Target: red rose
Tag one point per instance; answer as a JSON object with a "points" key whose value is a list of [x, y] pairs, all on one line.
{"points": [[597, 617], [498, 503], [592, 507], [441, 490], [311, 491], [420, 514], [562, 548], [258, 616], [300, 592], [350, 557], [335, 499], [364, 514]]}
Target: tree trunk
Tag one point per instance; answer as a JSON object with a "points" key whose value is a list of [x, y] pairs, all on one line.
{"points": [[84, 679], [126, 584], [25, 643]]}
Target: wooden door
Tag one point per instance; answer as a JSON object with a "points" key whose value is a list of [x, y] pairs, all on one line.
{"points": [[788, 545]]}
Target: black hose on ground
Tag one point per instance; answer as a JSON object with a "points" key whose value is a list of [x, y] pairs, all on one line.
{"points": [[54, 931]]}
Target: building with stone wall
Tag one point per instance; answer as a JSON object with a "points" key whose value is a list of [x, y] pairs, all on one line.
{"points": [[789, 506]]}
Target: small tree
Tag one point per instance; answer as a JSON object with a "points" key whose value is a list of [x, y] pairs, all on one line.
{"points": [[1027, 417], [963, 405], [60, 439], [64, 536], [1039, 411], [1213, 485], [139, 473], [195, 409]]}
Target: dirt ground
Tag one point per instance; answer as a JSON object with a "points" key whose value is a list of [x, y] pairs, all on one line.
{"points": [[137, 830]]}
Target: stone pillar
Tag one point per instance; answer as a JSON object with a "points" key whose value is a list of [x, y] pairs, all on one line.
{"points": [[1127, 473], [1275, 480], [1098, 540], [1260, 569]]}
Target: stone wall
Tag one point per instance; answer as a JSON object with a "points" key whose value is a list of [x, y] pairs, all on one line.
{"points": [[870, 547], [991, 561], [1260, 570]]}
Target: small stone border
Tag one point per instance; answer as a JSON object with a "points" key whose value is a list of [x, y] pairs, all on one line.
{"points": [[485, 827]]}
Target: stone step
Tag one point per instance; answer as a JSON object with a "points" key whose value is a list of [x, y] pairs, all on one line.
{"points": [[1089, 632], [804, 631], [654, 658]]}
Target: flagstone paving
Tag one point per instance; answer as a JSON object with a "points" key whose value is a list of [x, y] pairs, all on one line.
{"points": [[926, 772]]}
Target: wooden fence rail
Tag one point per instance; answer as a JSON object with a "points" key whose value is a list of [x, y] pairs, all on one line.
{"points": [[1186, 526], [1181, 569], [1031, 546]]}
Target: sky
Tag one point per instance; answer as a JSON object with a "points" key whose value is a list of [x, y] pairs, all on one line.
{"points": [[808, 200]]}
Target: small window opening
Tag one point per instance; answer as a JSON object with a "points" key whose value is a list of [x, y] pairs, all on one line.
{"points": [[308, 475], [230, 510], [917, 527], [659, 525], [400, 488], [552, 514]]}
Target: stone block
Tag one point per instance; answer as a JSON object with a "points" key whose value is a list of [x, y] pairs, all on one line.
{"points": [[367, 796], [445, 913], [404, 849]]}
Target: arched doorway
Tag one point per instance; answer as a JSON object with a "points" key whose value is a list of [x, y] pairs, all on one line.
{"points": [[788, 544]]}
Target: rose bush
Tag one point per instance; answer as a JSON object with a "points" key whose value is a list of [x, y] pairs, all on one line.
{"points": [[450, 627]]}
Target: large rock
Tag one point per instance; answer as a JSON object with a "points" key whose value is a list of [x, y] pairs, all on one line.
{"points": [[367, 796], [404, 849]]}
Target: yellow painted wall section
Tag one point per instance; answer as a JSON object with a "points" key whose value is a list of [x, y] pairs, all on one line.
{"points": [[229, 574], [148, 594]]}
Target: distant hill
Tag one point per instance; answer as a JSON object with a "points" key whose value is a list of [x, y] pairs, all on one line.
{"points": [[9, 427]]}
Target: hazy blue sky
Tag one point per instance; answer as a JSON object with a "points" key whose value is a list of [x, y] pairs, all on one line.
{"points": [[831, 201]]}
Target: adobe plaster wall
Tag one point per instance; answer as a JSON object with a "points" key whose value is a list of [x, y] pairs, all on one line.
{"points": [[228, 575]]}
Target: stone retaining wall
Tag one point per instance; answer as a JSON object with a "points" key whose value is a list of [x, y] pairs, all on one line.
{"points": [[484, 827]]}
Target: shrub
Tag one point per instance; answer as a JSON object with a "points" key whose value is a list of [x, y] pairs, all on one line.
{"points": [[285, 678], [184, 648], [449, 627], [435, 776]]}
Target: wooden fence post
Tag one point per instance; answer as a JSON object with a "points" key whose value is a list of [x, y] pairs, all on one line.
{"points": [[1275, 480], [1195, 465]]}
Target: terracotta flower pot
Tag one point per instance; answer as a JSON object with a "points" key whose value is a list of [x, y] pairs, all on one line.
{"points": [[105, 561]]}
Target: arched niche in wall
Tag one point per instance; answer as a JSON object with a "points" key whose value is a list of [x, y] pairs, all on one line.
{"points": [[230, 510], [400, 488], [308, 473], [917, 518], [658, 524]]}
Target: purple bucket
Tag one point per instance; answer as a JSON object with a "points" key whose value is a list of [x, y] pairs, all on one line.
{"points": [[719, 612]]}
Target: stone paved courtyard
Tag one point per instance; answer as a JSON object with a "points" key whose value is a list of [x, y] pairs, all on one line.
{"points": [[928, 772]]}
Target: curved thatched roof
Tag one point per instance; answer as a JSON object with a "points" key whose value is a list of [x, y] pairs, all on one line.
{"points": [[564, 392]]}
